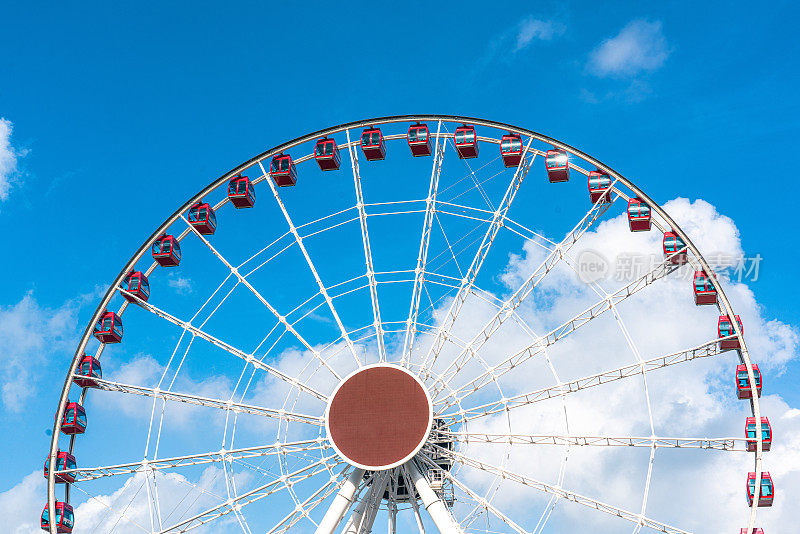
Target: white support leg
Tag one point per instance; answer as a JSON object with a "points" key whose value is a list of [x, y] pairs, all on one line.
{"points": [[433, 504], [363, 515], [341, 503]]}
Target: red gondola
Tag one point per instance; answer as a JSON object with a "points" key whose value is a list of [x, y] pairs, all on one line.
{"points": [[704, 290], [65, 518], [241, 192], [675, 247], [557, 165], [202, 217], [767, 493], [750, 433], [373, 144], [109, 328], [599, 186], [511, 149], [88, 370], [638, 215], [74, 420], [327, 154], [743, 390], [419, 140], [167, 251], [466, 142], [754, 531], [64, 460], [283, 170], [725, 329], [136, 284]]}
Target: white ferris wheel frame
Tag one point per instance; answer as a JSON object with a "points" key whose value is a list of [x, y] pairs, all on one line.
{"points": [[349, 487]]}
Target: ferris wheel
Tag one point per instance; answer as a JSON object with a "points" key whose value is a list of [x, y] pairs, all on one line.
{"points": [[349, 350]]}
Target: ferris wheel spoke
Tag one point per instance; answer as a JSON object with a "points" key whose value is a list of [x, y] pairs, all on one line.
{"points": [[362, 216], [436, 509], [471, 176], [302, 510], [545, 267], [480, 501], [254, 495], [366, 507], [462, 248], [705, 350], [243, 280], [562, 493], [477, 262], [717, 444], [220, 404], [422, 257], [93, 473], [323, 290], [449, 247], [228, 348], [485, 504], [110, 508], [540, 344]]}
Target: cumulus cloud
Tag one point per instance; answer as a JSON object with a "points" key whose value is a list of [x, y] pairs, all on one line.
{"points": [[531, 28], [179, 496], [688, 400], [31, 333], [8, 159], [22, 504], [507, 44], [640, 46], [180, 284]]}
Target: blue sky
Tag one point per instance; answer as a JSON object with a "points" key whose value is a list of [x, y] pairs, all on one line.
{"points": [[114, 116]]}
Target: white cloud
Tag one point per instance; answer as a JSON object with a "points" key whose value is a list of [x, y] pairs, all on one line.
{"points": [[179, 496], [180, 284], [504, 46], [689, 400], [31, 334], [8, 159], [22, 505], [639, 46], [531, 28]]}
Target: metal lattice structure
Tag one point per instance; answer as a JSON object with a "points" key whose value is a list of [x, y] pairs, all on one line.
{"points": [[460, 218]]}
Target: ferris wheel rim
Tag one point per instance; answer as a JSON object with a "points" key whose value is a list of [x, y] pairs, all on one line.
{"points": [[725, 304]]}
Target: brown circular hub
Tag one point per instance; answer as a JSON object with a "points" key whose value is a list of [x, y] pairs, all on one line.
{"points": [[379, 417]]}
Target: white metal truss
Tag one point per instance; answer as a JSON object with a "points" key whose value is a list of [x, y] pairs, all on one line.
{"points": [[717, 444], [323, 290], [363, 515], [422, 257], [249, 358], [433, 504], [281, 319], [564, 494], [92, 473], [506, 365], [254, 495], [302, 509], [432, 206], [484, 503], [549, 263], [220, 404], [362, 217], [705, 350], [477, 262]]}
